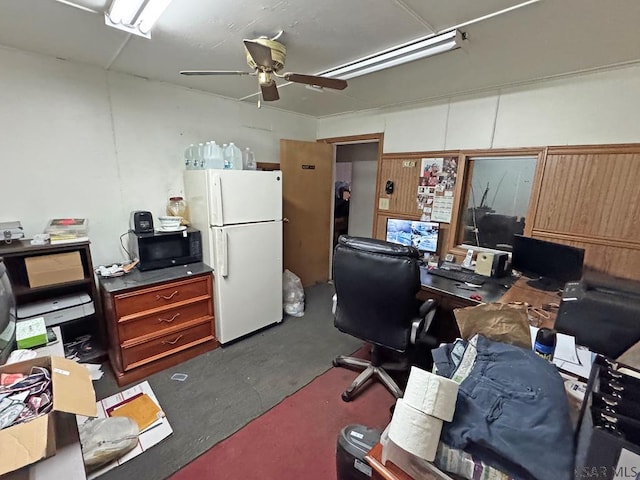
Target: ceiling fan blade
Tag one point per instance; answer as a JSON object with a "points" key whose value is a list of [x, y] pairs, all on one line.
{"points": [[270, 92], [261, 55], [215, 72], [314, 80]]}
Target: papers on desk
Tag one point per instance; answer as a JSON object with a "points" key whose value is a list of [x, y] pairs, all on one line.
{"points": [[581, 369], [568, 356]]}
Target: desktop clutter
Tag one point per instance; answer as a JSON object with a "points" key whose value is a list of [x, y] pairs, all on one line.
{"points": [[499, 402], [509, 400], [491, 407]]}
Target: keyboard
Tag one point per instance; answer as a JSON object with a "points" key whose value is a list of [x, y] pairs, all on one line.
{"points": [[458, 275]]}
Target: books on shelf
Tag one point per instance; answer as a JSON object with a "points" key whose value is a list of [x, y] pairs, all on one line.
{"points": [[67, 230], [62, 239]]}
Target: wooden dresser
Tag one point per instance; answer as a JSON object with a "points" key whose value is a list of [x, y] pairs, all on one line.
{"points": [[157, 319]]}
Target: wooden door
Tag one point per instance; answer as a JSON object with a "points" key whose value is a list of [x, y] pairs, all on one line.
{"points": [[307, 177]]}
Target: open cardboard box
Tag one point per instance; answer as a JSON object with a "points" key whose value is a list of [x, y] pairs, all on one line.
{"points": [[73, 393]]}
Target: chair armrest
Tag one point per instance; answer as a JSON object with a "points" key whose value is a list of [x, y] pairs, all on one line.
{"points": [[427, 307], [335, 303], [421, 324]]}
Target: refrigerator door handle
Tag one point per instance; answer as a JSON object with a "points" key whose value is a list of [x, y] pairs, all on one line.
{"points": [[218, 193], [223, 264]]}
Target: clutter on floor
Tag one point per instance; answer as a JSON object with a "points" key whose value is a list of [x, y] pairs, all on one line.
{"points": [[24, 397], [32, 392], [106, 439], [141, 406], [80, 348]]}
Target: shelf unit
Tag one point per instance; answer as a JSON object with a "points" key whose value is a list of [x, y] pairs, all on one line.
{"points": [[14, 255]]}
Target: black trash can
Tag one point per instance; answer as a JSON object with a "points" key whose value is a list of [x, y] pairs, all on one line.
{"points": [[354, 442]]}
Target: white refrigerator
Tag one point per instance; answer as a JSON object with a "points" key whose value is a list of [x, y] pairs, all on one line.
{"points": [[239, 213]]}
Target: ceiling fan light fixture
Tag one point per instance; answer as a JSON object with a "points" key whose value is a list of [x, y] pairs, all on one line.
{"points": [[135, 16], [398, 55]]}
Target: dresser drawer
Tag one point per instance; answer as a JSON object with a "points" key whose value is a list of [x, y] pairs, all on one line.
{"points": [[155, 323], [149, 351], [160, 296]]}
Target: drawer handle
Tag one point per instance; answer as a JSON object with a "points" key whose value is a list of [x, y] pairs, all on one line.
{"points": [[172, 342], [167, 297], [169, 320]]}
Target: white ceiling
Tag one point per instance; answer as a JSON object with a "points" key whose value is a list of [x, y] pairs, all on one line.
{"points": [[539, 40]]}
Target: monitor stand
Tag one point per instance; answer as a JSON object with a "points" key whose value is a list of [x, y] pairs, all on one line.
{"points": [[545, 284]]}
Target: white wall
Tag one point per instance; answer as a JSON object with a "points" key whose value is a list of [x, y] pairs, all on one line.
{"points": [[76, 140], [363, 193], [592, 108]]}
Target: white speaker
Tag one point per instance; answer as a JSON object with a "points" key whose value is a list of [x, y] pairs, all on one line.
{"points": [[484, 263]]}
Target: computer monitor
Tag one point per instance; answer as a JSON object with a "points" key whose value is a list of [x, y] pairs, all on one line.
{"points": [[552, 264], [421, 235]]}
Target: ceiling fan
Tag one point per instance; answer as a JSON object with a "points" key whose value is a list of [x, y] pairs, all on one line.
{"points": [[266, 57]]}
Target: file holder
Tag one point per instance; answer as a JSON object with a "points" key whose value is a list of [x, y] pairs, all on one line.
{"points": [[608, 441]]}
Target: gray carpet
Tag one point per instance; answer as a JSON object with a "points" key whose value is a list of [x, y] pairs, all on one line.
{"points": [[232, 385]]}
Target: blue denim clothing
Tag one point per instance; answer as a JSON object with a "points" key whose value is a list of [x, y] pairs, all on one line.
{"points": [[511, 411]]}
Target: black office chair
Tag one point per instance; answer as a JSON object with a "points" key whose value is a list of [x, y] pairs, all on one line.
{"points": [[376, 284], [602, 312], [497, 231]]}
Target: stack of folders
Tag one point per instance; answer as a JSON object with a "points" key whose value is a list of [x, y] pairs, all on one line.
{"points": [[608, 438], [141, 408]]}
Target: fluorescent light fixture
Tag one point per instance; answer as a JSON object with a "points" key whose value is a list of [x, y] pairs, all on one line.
{"points": [[135, 16], [398, 55]]}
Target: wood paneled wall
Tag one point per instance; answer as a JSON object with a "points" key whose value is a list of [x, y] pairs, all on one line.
{"points": [[404, 171], [585, 196], [590, 198]]}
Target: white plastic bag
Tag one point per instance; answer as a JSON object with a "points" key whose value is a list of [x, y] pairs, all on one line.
{"points": [[292, 294], [105, 439]]}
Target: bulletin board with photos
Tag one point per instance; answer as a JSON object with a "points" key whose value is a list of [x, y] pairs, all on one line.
{"points": [[435, 195], [416, 186]]}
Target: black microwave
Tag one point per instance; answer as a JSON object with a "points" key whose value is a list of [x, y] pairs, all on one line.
{"points": [[165, 249]]}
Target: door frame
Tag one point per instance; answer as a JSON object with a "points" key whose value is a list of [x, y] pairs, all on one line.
{"points": [[347, 140]]}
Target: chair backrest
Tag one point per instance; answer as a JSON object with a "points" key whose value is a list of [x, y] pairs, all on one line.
{"points": [[376, 283], [495, 230]]}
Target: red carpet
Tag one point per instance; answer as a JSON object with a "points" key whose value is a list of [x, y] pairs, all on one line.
{"points": [[297, 438]]}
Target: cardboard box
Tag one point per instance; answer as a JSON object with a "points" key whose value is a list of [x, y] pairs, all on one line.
{"points": [[53, 269], [73, 392]]}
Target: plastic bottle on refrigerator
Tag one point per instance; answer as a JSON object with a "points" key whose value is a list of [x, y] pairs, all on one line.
{"points": [[225, 159], [199, 161], [248, 160], [232, 157], [213, 155], [189, 157]]}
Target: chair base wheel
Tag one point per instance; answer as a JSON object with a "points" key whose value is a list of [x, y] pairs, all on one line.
{"points": [[334, 362], [346, 397]]}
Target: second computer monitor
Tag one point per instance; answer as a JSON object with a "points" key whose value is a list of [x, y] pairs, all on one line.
{"points": [[553, 263], [421, 235]]}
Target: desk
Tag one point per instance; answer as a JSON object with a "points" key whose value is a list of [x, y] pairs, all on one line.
{"points": [[491, 290], [450, 296]]}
